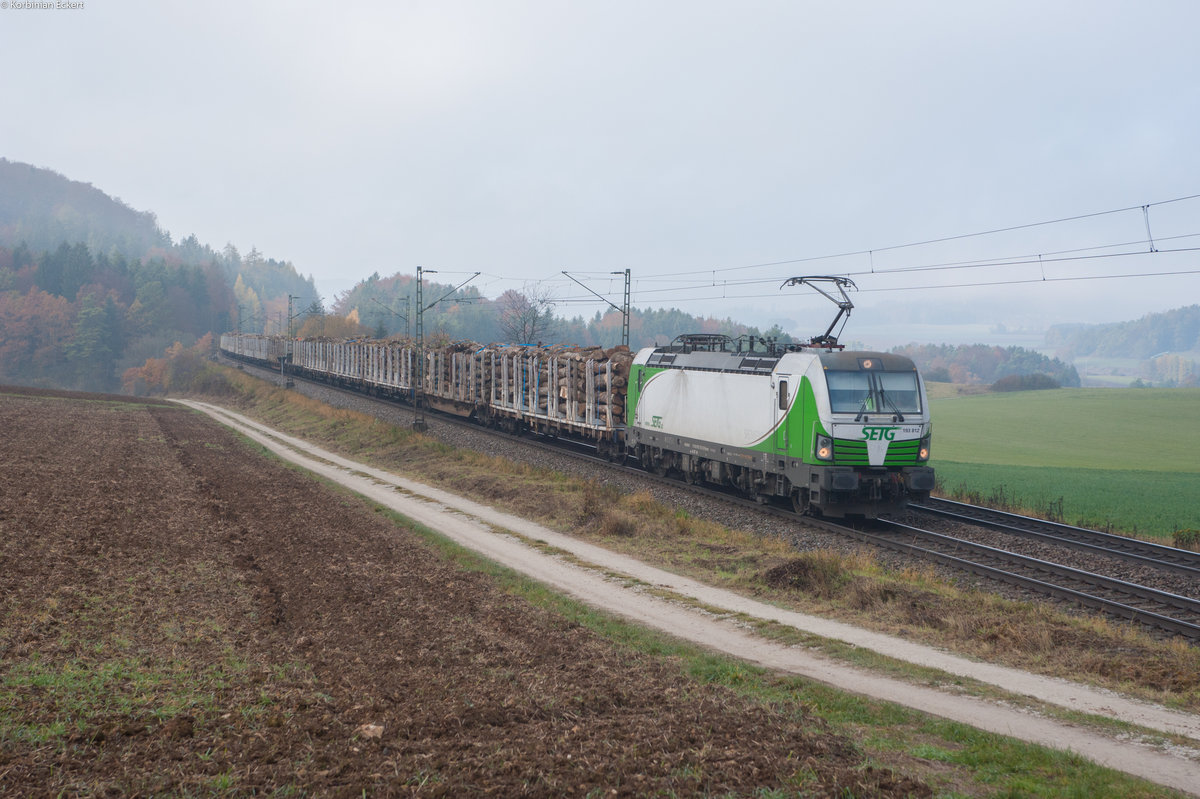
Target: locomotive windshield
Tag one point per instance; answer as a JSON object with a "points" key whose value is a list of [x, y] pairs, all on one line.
{"points": [[873, 392]]}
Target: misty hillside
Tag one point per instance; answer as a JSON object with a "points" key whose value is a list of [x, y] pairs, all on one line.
{"points": [[90, 287], [981, 363], [40, 210], [1160, 349], [1174, 331], [43, 209]]}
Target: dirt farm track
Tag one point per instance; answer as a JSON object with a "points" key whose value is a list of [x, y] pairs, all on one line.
{"points": [[182, 615]]}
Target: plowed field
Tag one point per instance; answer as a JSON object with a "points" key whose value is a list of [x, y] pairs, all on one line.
{"points": [[181, 615]]}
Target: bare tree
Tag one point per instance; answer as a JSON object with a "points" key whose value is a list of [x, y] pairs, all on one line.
{"points": [[527, 317]]}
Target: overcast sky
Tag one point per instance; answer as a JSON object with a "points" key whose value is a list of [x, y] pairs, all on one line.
{"points": [[690, 142]]}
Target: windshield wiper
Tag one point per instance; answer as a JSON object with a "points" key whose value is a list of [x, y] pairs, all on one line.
{"points": [[863, 408], [888, 401]]}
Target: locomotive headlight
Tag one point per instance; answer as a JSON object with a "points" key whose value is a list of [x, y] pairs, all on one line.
{"points": [[824, 449], [923, 452]]}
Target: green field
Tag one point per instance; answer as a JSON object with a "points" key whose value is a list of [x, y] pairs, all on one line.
{"points": [[1122, 458]]}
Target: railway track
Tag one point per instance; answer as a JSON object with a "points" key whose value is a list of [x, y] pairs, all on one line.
{"points": [[1168, 612], [1172, 613], [1118, 546], [1161, 610]]}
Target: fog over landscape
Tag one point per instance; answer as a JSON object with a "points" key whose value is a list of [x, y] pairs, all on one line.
{"points": [[713, 149], [572, 398]]}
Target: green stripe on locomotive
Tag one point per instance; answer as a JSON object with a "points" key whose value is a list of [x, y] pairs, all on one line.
{"points": [[638, 375], [847, 452], [795, 435]]}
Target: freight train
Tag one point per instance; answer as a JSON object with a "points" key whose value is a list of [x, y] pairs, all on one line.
{"points": [[832, 432]]}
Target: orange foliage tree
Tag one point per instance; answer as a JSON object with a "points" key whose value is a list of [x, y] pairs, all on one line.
{"points": [[37, 328], [183, 369]]}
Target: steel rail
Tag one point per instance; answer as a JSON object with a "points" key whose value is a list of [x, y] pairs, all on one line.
{"points": [[981, 553], [1144, 552]]}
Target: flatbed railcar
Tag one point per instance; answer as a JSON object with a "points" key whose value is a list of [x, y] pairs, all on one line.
{"points": [[552, 391], [834, 432]]}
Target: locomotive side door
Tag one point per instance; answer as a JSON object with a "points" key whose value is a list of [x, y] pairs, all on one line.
{"points": [[785, 391]]}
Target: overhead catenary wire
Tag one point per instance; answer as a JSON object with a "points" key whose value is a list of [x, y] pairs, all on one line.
{"points": [[981, 284], [667, 287], [677, 292], [940, 240], [1039, 280]]}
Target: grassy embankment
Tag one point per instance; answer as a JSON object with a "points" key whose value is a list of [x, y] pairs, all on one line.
{"points": [[915, 604], [1115, 459]]}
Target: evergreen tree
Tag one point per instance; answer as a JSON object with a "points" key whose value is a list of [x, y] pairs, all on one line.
{"points": [[92, 351]]}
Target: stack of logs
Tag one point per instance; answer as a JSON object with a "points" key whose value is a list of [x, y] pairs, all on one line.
{"points": [[528, 365]]}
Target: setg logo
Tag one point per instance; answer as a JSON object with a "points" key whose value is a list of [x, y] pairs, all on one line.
{"points": [[879, 433]]}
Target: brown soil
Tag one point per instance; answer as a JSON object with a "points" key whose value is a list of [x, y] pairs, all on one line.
{"points": [[178, 614]]}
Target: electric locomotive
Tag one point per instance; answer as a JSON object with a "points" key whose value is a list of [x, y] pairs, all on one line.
{"points": [[835, 432]]}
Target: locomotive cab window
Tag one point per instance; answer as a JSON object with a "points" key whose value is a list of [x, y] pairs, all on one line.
{"points": [[899, 390], [783, 395], [849, 391], [873, 392]]}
